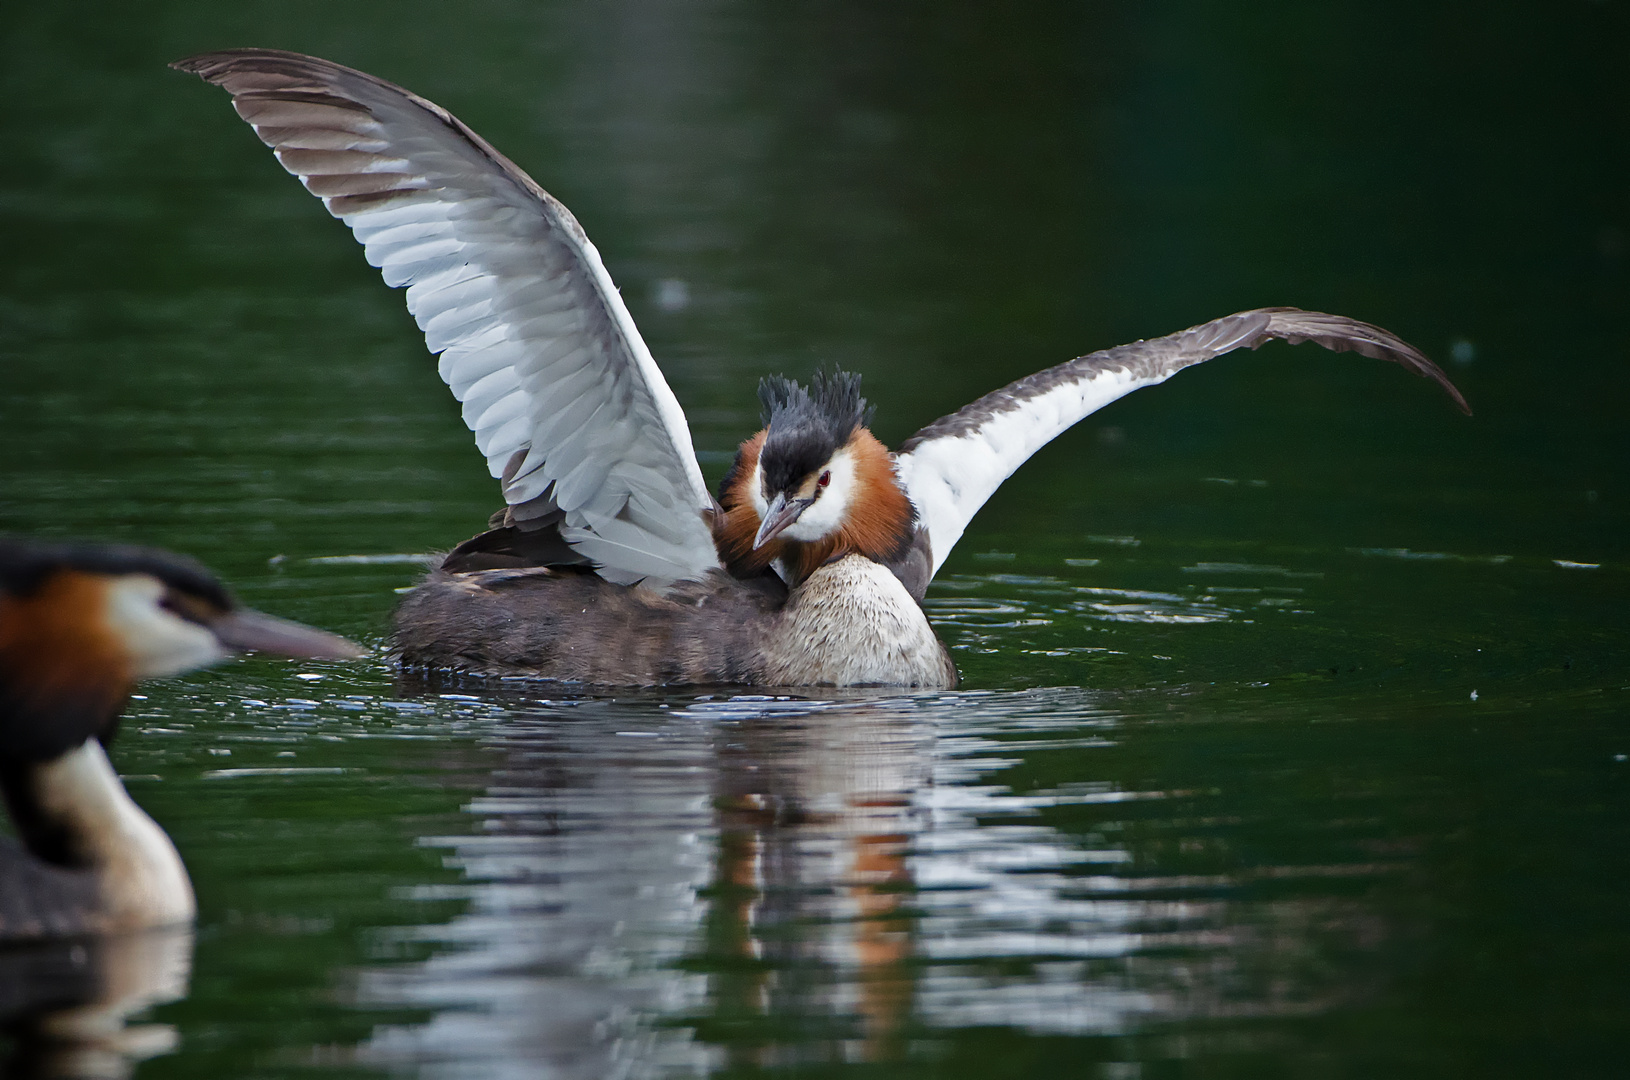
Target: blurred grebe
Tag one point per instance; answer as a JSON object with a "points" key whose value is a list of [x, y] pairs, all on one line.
{"points": [[79, 626], [611, 562]]}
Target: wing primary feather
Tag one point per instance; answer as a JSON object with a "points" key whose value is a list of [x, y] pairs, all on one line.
{"points": [[502, 279], [952, 466], [1339, 334]]}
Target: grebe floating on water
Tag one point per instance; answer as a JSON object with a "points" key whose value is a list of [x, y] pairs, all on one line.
{"points": [[79, 626], [612, 563]]}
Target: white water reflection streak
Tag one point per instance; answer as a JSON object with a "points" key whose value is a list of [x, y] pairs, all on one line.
{"points": [[751, 883]]}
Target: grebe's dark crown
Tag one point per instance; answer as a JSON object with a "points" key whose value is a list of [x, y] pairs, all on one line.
{"points": [[26, 564], [806, 427]]}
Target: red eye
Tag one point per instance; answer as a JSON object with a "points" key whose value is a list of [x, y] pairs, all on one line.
{"points": [[826, 478]]}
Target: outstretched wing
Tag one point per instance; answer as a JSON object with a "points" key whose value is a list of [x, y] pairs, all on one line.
{"points": [[953, 465], [565, 401]]}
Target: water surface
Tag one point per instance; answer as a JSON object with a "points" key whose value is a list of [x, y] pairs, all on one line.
{"points": [[1292, 739]]}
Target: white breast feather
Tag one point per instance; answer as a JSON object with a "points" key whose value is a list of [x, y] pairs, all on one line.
{"points": [[852, 623], [142, 880]]}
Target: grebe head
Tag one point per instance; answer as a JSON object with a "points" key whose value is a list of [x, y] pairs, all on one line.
{"points": [[807, 476], [80, 624], [814, 485]]}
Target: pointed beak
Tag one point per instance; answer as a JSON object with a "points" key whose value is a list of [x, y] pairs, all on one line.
{"points": [[245, 629], [782, 513]]}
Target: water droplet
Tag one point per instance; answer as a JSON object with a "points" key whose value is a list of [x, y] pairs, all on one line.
{"points": [[672, 294]]}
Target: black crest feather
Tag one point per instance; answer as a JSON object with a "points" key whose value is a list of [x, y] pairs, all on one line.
{"points": [[806, 427]]}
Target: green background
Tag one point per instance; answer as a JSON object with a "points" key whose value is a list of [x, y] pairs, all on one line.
{"points": [[1227, 631]]}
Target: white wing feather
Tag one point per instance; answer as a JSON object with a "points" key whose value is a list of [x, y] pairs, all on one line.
{"points": [[561, 392], [948, 479], [951, 467]]}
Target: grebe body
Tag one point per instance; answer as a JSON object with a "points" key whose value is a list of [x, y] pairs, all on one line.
{"points": [[611, 562], [850, 623], [79, 626]]}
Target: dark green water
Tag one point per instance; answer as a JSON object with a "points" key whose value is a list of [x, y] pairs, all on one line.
{"points": [[1294, 731]]}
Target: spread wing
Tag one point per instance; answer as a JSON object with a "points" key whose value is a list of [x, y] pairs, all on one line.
{"points": [[953, 465], [564, 398]]}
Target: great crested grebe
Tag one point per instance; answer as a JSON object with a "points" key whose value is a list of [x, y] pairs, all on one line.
{"points": [[612, 563], [79, 626]]}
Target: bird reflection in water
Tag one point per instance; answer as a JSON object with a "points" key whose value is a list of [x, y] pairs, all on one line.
{"points": [[752, 883], [638, 897], [812, 887], [66, 1002]]}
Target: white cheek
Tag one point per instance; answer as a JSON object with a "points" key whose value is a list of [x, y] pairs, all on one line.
{"points": [[755, 490], [827, 514], [159, 643]]}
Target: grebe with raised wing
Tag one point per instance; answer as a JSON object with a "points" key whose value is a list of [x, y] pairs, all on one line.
{"points": [[611, 562]]}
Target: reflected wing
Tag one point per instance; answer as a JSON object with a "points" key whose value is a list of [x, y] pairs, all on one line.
{"points": [[953, 465], [565, 401]]}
